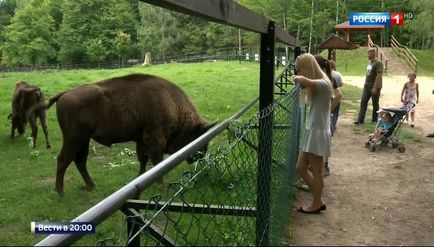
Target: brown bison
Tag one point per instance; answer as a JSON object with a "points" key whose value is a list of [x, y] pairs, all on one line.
{"points": [[27, 105], [151, 111]]}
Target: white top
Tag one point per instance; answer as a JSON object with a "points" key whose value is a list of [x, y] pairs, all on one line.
{"points": [[317, 136]]}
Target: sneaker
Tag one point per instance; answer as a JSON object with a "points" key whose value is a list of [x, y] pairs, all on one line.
{"points": [[412, 125], [357, 122], [326, 171]]}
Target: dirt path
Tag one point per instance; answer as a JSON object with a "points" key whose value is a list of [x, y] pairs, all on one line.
{"points": [[379, 198]]}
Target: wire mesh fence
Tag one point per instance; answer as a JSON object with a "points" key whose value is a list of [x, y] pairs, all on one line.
{"points": [[215, 202], [246, 53]]}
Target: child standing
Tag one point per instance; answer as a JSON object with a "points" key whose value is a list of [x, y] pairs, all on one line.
{"points": [[410, 91]]}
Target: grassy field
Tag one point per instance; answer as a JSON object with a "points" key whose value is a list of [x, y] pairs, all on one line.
{"points": [[426, 63], [217, 89]]}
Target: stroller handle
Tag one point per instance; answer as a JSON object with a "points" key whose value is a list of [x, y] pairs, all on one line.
{"points": [[409, 105]]}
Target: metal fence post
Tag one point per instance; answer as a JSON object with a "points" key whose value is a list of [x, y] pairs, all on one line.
{"points": [[266, 95], [297, 52]]}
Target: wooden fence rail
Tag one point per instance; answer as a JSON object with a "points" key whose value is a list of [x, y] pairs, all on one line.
{"points": [[404, 53]]}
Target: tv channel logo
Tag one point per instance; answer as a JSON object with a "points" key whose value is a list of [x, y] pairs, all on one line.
{"points": [[379, 18], [370, 18]]}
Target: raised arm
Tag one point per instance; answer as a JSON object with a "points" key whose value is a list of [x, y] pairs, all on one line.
{"points": [[304, 81]]}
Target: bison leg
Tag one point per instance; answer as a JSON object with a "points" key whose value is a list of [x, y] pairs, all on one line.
{"points": [[142, 156], [64, 158], [13, 130], [80, 162], [43, 120], [156, 149], [34, 127]]}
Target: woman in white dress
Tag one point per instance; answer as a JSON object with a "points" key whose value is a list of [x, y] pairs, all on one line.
{"points": [[316, 92]]}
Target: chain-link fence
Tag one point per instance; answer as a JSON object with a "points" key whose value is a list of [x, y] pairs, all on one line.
{"points": [[216, 202]]}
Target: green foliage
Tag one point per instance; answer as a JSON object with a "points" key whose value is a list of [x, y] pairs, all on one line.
{"points": [[96, 51], [96, 24], [123, 45], [7, 8], [30, 37], [75, 28]]}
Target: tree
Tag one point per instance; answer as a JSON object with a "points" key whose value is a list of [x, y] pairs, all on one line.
{"points": [[123, 45], [86, 20], [158, 30], [96, 51], [30, 36], [423, 36], [7, 8], [81, 23]]}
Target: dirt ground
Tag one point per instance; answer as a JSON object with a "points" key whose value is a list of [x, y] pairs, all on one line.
{"points": [[376, 198]]}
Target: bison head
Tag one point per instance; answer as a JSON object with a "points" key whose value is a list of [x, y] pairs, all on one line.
{"points": [[189, 136], [201, 129]]}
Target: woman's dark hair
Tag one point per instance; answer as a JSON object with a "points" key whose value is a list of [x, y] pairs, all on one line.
{"points": [[324, 64]]}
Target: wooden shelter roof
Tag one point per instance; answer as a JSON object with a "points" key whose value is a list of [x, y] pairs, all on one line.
{"points": [[346, 25], [336, 42]]}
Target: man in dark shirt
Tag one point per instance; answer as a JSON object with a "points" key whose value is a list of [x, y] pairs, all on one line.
{"points": [[372, 87]]}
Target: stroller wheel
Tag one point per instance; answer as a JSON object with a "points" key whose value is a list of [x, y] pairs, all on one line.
{"points": [[372, 147], [401, 148], [395, 144], [367, 144]]}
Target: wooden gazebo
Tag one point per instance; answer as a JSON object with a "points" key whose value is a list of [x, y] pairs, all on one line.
{"points": [[335, 42], [346, 28]]}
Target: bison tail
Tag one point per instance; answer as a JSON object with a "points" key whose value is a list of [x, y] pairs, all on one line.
{"points": [[54, 99]]}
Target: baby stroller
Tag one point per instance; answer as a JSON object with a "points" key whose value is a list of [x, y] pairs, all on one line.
{"points": [[390, 135]]}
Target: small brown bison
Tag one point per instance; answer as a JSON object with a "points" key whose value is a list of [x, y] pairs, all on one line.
{"points": [[27, 105], [151, 111]]}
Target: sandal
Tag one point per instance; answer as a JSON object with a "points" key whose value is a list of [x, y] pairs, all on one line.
{"points": [[317, 211]]}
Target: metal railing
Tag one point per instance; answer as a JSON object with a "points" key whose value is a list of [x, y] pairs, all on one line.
{"points": [[405, 54], [380, 54], [117, 200], [236, 163], [258, 167]]}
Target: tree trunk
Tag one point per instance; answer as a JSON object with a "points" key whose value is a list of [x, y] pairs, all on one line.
{"points": [[147, 59], [239, 42], [311, 26], [337, 14]]}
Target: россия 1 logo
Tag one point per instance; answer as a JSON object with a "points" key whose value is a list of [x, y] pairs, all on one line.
{"points": [[378, 18]]}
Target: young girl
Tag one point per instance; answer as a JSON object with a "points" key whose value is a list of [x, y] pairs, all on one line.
{"points": [[317, 92], [411, 94]]}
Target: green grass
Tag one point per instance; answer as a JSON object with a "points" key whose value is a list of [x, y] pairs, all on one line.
{"points": [[425, 65], [350, 62], [217, 89]]}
